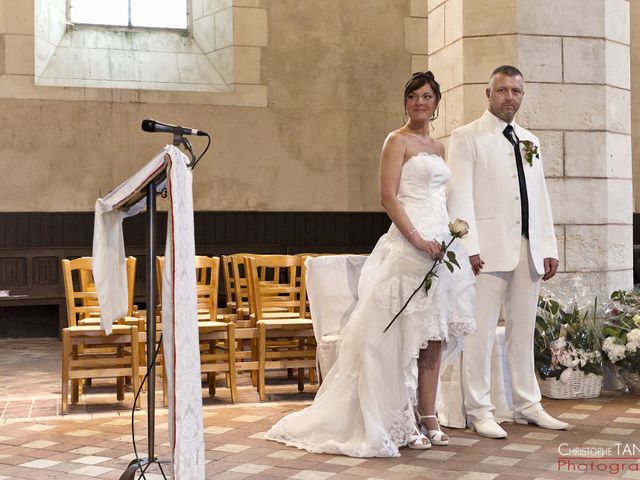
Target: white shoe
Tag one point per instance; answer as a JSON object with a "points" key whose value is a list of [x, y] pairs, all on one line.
{"points": [[488, 427], [542, 419], [437, 437], [417, 441]]}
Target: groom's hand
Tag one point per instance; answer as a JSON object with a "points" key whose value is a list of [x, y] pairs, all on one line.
{"points": [[476, 263], [550, 268]]}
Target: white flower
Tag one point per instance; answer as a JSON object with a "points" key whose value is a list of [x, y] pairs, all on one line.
{"points": [[634, 335], [566, 375], [614, 349], [636, 319], [632, 346], [458, 228], [559, 343]]}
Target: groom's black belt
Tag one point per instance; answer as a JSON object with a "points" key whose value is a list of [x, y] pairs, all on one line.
{"points": [[524, 198]]}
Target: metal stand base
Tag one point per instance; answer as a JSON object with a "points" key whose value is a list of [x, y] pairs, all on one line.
{"points": [[142, 465]]}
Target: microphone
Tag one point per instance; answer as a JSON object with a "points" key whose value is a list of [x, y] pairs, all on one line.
{"points": [[153, 126]]}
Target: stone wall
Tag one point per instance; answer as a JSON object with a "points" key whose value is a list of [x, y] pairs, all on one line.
{"points": [[301, 129], [575, 58]]}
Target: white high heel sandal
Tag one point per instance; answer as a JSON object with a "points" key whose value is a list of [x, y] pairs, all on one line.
{"points": [[417, 440], [436, 437]]}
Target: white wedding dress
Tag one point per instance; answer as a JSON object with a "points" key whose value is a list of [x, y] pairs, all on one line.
{"points": [[364, 407]]}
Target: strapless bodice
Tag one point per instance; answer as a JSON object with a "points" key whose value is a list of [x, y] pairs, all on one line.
{"points": [[423, 192]]}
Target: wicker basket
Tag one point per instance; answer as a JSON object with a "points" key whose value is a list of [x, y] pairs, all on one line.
{"points": [[580, 385]]}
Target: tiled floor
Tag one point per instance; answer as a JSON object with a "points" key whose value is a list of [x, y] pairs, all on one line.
{"points": [[94, 440]]}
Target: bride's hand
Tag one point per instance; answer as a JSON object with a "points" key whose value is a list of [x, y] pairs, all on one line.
{"points": [[433, 248]]}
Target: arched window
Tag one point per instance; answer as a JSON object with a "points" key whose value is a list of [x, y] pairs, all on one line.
{"points": [[130, 13]]}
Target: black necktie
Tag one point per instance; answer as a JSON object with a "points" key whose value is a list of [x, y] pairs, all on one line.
{"points": [[524, 199]]}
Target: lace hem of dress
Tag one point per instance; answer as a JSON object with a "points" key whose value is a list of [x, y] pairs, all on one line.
{"points": [[389, 448]]}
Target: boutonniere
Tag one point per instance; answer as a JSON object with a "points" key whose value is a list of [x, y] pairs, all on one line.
{"points": [[530, 151]]}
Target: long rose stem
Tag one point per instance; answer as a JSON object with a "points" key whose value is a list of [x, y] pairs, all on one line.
{"points": [[419, 286]]}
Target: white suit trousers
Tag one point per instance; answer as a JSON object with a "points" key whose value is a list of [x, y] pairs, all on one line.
{"points": [[518, 291]]}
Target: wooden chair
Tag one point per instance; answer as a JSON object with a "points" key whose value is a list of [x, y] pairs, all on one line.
{"points": [[87, 352], [83, 307], [236, 284], [229, 286], [284, 338], [217, 338]]}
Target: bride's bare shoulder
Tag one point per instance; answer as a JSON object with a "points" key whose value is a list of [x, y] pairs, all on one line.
{"points": [[439, 148]]}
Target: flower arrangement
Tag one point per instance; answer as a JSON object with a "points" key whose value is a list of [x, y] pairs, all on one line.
{"points": [[566, 341], [621, 332], [458, 229]]}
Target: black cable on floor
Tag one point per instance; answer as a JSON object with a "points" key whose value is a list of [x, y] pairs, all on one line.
{"points": [[133, 413]]}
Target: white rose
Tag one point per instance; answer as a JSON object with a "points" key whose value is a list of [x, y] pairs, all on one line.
{"points": [[458, 228]]}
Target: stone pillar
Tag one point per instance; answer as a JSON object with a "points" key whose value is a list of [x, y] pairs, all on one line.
{"points": [[574, 55], [635, 100]]}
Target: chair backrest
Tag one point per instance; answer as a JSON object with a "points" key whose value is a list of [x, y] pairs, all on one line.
{"points": [[81, 294], [276, 282], [240, 293], [207, 282], [229, 280], [207, 272]]}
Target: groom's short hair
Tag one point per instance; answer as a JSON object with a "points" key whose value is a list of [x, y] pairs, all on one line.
{"points": [[507, 70]]}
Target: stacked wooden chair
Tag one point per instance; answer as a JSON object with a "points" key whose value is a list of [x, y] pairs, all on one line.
{"points": [[87, 352], [280, 327]]}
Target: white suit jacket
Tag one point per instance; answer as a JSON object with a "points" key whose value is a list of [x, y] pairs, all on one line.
{"points": [[484, 191]]}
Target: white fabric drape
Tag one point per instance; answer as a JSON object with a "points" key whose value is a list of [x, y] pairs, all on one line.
{"points": [[179, 312]]}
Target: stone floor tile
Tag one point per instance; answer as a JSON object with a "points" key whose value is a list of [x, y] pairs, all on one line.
{"points": [[231, 448], [602, 442], [91, 460], [521, 447], [617, 431], [464, 441], [627, 420], [40, 464], [541, 436], [287, 454], [39, 444], [439, 455], [92, 471], [87, 450], [250, 468], [573, 416], [477, 476], [38, 427], [311, 475], [496, 460], [248, 418], [346, 461]]}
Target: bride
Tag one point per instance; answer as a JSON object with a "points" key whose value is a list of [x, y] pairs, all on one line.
{"points": [[381, 392]]}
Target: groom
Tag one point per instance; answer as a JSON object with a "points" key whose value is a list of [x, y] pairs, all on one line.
{"points": [[498, 187]]}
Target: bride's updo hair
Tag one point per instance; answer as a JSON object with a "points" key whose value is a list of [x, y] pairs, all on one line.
{"points": [[420, 79]]}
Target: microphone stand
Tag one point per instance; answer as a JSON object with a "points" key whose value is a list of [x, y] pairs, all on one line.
{"points": [[143, 464]]}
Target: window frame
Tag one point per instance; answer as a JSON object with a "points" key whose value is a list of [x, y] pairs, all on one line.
{"points": [[129, 27]]}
